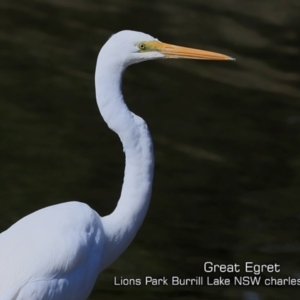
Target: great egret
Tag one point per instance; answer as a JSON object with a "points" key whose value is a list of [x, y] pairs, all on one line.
{"points": [[56, 253]]}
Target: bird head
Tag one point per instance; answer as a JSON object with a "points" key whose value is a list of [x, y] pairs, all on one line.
{"points": [[130, 47]]}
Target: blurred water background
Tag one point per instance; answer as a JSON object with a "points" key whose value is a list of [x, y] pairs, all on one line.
{"points": [[226, 134]]}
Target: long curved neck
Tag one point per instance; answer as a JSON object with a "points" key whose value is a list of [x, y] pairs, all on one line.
{"points": [[121, 226]]}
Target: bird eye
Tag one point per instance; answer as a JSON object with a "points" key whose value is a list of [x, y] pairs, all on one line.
{"points": [[142, 46]]}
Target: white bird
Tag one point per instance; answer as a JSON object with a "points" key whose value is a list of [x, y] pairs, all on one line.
{"points": [[56, 253]]}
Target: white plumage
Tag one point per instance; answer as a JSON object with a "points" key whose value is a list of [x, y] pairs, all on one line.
{"points": [[56, 253]]}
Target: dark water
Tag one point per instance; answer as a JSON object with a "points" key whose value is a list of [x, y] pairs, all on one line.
{"points": [[226, 135]]}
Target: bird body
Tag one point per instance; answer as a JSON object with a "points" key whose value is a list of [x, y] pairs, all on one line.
{"points": [[57, 252], [48, 253]]}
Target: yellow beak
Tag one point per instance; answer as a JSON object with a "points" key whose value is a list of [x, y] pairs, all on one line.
{"points": [[172, 51]]}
